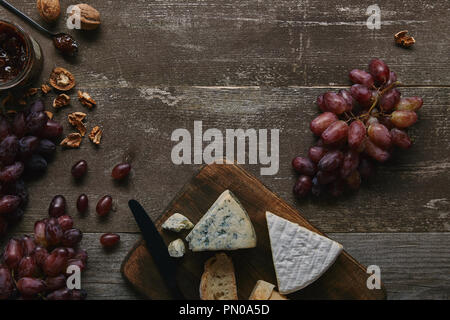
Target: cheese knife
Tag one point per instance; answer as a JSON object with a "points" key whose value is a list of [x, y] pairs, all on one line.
{"points": [[157, 248]]}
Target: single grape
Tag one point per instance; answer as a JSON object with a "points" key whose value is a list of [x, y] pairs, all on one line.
{"points": [[77, 262], [13, 253], [46, 148], [380, 135], [358, 76], [356, 134], [39, 233], [70, 253], [51, 129], [409, 104], [403, 119], [331, 161], [379, 70], [350, 163], [9, 147], [53, 232], [362, 95], [40, 254], [28, 268], [392, 79], [56, 262], [27, 145], [66, 222], [371, 120], [389, 100], [79, 169], [304, 166], [334, 103], [37, 106], [55, 283], [30, 287], [35, 121], [6, 283], [28, 246], [321, 103], [60, 294], [104, 205], [8, 204], [82, 204], [322, 122], [316, 153], [400, 138], [121, 171], [109, 240], [71, 237], [337, 131], [376, 152], [348, 99], [303, 186], [57, 206], [12, 172]]}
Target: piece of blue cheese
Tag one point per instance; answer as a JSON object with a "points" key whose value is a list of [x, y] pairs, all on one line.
{"points": [[177, 222], [176, 248], [226, 226]]}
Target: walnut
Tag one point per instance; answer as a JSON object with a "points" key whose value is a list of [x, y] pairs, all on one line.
{"points": [[45, 88], [61, 101], [89, 16], [76, 120], [402, 39], [62, 79], [49, 9], [86, 99], [96, 135], [73, 140]]}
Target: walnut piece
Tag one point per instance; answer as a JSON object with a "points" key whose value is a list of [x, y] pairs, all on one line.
{"points": [[96, 135], [86, 99], [62, 79], [45, 88], [49, 114], [73, 140], [89, 16], [402, 39], [61, 101], [76, 120], [49, 10]]}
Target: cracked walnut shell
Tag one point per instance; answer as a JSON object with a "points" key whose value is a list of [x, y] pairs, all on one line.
{"points": [[96, 135], [89, 16], [73, 140], [62, 79], [49, 10], [61, 101], [86, 99]]}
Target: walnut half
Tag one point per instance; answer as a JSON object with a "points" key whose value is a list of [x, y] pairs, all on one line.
{"points": [[96, 135], [73, 140], [62, 79], [86, 99], [402, 39], [76, 120], [61, 101]]}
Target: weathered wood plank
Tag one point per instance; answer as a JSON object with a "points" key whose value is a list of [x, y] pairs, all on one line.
{"points": [[272, 43], [409, 194], [413, 266]]}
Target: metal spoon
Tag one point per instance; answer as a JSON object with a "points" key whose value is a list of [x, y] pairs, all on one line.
{"points": [[65, 43]]}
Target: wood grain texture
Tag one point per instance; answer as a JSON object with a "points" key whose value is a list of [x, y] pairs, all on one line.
{"points": [[143, 61], [346, 278]]}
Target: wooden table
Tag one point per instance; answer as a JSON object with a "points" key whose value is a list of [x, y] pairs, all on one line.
{"points": [[155, 66]]}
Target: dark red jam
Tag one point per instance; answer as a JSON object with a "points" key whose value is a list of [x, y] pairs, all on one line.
{"points": [[13, 53]]}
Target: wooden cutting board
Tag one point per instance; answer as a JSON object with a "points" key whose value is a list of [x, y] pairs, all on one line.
{"points": [[346, 279]]}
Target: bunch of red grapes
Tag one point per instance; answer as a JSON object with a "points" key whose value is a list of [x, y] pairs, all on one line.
{"points": [[35, 267], [27, 143], [358, 127]]}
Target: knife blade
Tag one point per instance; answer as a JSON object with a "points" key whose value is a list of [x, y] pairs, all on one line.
{"points": [[157, 248]]}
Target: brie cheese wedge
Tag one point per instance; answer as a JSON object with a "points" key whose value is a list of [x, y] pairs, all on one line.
{"points": [[300, 256], [226, 226], [177, 222]]}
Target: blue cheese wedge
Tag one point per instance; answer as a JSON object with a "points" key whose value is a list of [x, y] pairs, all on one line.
{"points": [[226, 226], [176, 248], [300, 256], [177, 222]]}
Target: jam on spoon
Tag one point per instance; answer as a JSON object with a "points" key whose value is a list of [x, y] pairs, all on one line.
{"points": [[66, 44]]}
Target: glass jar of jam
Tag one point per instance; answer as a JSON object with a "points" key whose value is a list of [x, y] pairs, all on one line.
{"points": [[20, 57]]}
